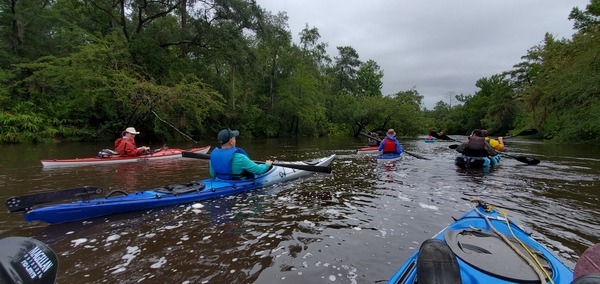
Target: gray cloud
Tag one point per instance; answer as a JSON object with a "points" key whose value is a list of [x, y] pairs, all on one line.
{"points": [[434, 46]]}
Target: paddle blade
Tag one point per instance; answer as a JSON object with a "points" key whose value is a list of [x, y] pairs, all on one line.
{"points": [[24, 202], [527, 160], [523, 159], [527, 132], [26, 260]]}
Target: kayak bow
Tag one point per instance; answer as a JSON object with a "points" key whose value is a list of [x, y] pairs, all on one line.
{"points": [[482, 247]]}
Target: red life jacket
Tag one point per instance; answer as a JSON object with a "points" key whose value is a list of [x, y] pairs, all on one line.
{"points": [[389, 146]]}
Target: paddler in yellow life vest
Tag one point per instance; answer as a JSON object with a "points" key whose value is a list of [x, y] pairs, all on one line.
{"points": [[498, 145]]}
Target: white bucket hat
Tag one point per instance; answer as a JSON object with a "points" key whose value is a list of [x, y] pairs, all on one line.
{"points": [[130, 130]]}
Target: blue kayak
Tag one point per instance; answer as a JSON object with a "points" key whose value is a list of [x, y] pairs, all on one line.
{"points": [[470, 251], [469, 162], [388, 157], [165, 196]]}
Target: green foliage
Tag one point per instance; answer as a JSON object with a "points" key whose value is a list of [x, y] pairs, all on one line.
{"points": [[84, 70]]}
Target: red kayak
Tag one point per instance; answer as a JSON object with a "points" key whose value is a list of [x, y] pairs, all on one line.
{"points": [[158, 155], [368, 150]]}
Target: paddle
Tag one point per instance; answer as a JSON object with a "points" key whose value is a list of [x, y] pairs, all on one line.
{"points": [[320, 169], [530, 131], [407, 152], [26, 260], [443, 136], [22, 203], [523, 159]]}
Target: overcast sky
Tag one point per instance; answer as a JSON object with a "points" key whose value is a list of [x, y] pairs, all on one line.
{"points": [[434, 46]]}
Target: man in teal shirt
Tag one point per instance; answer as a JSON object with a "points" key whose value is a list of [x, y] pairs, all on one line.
{"points": [[231, 162]]}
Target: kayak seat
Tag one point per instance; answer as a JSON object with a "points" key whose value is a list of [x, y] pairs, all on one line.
{"points": [[181, 188], [312, 162], [436, 264], [485, 251]]}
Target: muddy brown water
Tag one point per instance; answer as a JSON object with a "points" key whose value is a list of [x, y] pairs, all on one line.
{"points": [[356, 225]]}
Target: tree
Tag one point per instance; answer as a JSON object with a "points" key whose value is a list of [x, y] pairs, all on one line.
{"points": [[368, 79]]}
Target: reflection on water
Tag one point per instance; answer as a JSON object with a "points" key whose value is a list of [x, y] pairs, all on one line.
{"points": [[356, 225]]}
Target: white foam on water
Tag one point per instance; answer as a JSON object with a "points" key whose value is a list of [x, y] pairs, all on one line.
{"points": [[159, 263], [112, 238], [174, 226], [79, 241], [197, 206], [132, 252], [349, 205], [427, 206], [402, 197]]}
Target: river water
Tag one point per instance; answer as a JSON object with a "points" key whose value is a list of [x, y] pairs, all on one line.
{"points": [[356, 225]]}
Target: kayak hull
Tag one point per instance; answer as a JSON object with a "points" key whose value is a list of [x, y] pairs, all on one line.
{"points": [[478, 265], [389, 157], [368, 150], [159, 155], [463, 161], [165, 196]]}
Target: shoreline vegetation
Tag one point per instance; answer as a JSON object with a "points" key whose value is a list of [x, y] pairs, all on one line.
{"points": [[86, 70]]}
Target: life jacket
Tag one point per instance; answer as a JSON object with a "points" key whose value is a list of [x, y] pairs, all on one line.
{"points": [[389, 145], [221, 162], [495, 144], [475, 147], [105, 153]]}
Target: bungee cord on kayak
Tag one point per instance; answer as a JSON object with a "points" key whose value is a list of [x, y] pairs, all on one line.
{"points": [[537, 266]]}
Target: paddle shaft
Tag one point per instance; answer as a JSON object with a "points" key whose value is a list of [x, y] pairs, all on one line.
{"points": [[407, 152], [320, 169], [530, 131]]}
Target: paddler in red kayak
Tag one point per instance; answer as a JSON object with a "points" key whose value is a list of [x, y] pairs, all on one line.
{"points": [[125, 145]]}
